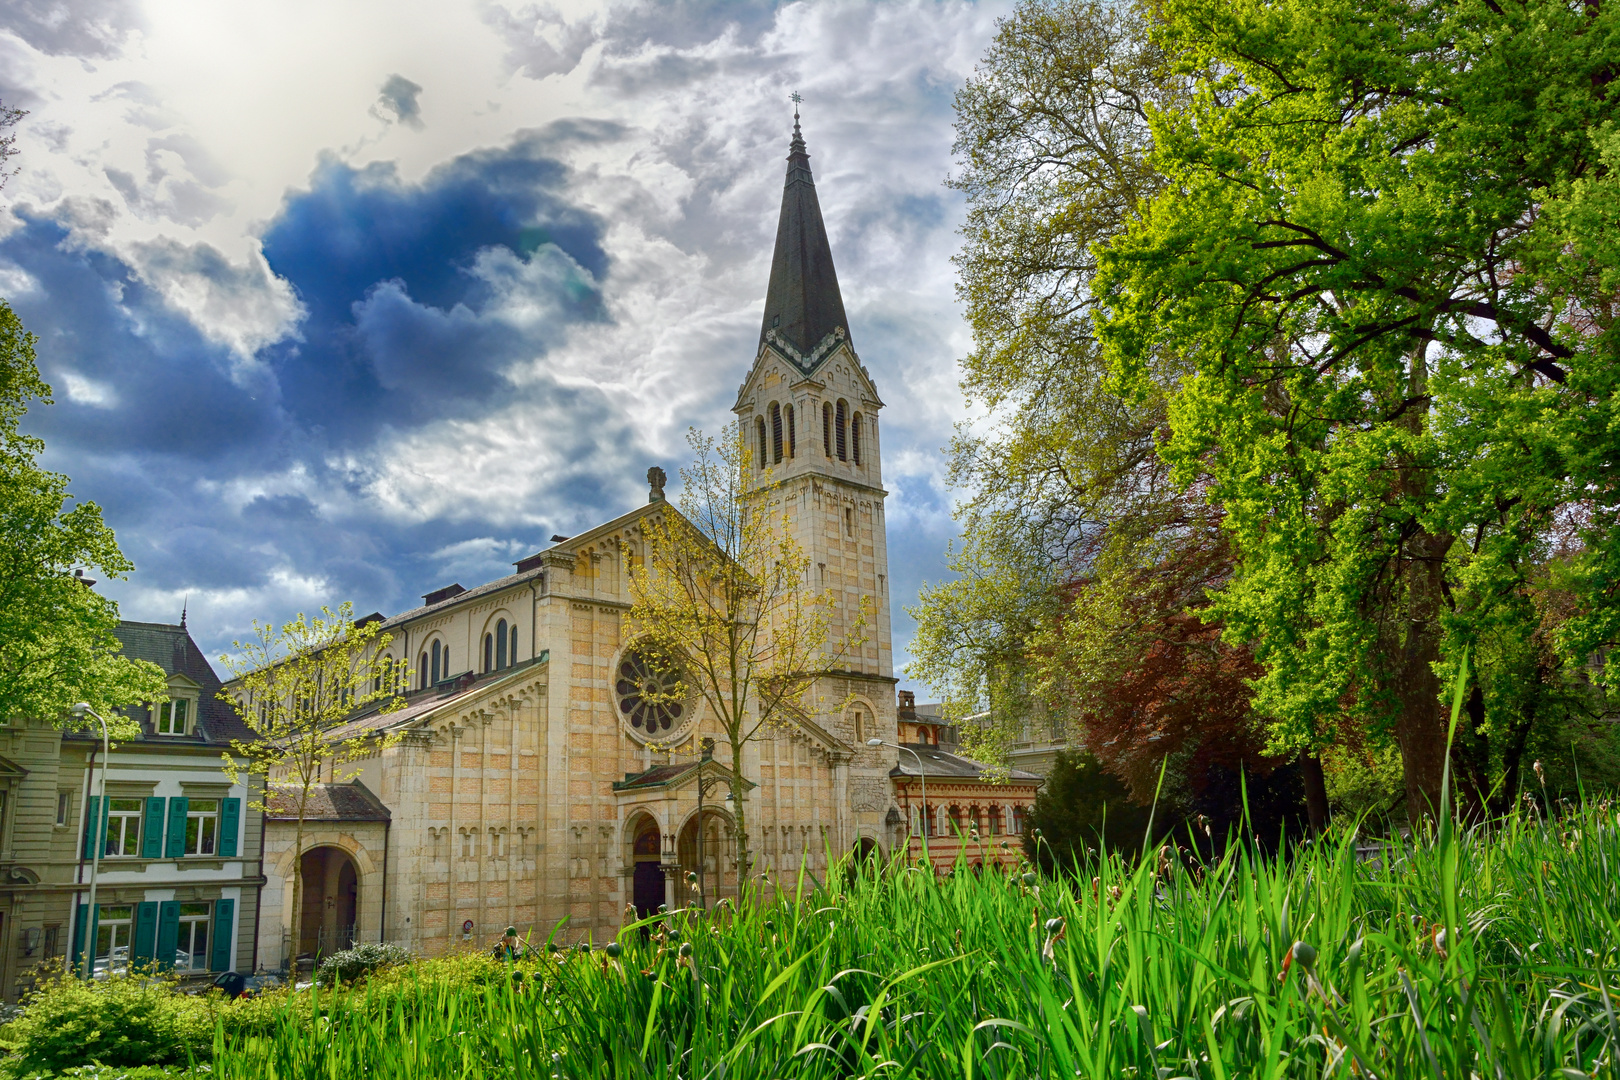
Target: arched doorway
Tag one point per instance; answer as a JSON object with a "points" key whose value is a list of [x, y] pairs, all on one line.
{"points": [[330, 913], [647, 885], [717, 855], [863, 857]]}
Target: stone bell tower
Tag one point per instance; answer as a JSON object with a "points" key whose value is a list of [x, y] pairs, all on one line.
{"points": [[809, 411]]}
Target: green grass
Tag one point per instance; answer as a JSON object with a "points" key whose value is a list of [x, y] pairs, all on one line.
{"points": [[1148, 971]]}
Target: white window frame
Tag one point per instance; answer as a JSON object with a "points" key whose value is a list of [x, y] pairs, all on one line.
{"points": [[163, 718], [120, 935], [64, 808], [206, 831], [186, 941], [121, 841]]}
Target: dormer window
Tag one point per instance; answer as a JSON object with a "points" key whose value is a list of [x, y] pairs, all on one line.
{"points": [[174, 717]]}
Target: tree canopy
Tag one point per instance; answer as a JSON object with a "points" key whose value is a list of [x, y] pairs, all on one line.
{"points": [[1336, 281], [57, 645]]}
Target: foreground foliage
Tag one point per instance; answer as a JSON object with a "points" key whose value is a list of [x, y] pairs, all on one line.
{"points": [[1485, 953]]}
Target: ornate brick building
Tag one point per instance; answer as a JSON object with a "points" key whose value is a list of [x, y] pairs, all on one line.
{"points": [[527, 786]]}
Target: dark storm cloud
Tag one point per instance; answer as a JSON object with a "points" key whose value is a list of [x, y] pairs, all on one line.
{"points": [[154, 385], [397, 102], [397, 280], [405, 290], [88, 28]]}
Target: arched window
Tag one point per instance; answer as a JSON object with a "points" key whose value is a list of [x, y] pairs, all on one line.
{"points": [[422, 671], [760, 424], [826, 428], [489, 653], [500, 644], [855, 438], [776, 434], [438, 670], [793, 436], [839, 434], [513, 654]]}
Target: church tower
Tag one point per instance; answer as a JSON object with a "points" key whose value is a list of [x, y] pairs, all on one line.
{"points": [[809, 410]]}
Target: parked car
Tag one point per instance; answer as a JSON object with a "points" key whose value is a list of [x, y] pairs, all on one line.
{"points": [[234, 984]]}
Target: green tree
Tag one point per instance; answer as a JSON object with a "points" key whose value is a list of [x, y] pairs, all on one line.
{"points": [[720, 596], [306, 690], [56, 634], [1053, 138], [1384, 256], [1083, 809]]}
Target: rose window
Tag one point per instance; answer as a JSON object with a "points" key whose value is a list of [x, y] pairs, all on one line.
{"points": [[646, 695]]}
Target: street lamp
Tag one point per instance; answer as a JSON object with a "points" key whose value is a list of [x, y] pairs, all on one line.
{"points": [[80, 711], [923, 780]]}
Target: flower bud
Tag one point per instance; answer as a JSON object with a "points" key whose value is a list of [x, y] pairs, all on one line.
{"points": [[614, 949], [1029, 877], [1304, 955], [1053, 926], [686, 949]]}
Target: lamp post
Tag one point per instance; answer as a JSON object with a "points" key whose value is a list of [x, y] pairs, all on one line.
{"points": [[923, 781], [81, 710]]}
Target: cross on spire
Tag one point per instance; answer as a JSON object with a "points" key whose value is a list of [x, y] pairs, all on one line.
{"points": [[796, 99]]}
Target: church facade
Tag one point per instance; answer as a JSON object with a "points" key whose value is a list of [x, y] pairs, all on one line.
{"points": [[532, 783]]}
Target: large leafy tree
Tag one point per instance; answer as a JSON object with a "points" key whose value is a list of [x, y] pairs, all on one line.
{"points": [[1053, 139], [56, 634], [1384, 263]]}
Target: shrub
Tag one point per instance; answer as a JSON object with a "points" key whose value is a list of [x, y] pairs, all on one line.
{"points": [[351, 964], [123, 1021]]}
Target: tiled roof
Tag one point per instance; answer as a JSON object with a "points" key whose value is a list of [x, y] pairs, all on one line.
{"points": [[419, 703], [170, 647], [327, 802], [659, 774], [937, 763]]}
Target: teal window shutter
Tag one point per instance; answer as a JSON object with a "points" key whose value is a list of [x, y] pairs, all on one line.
{"points": [[152, 830], [224, 926], [175, 846], [168, 933], [230, 823], [78, 936], [91, 813], [146, 919]]}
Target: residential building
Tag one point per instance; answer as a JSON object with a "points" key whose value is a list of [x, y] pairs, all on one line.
{"points": [[178, 880]]}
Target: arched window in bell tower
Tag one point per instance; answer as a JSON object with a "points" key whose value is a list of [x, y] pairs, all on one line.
{"points": [[826, 428], [855, 438], [840, 432], [763, 459], [793, 439], [776, 434]]}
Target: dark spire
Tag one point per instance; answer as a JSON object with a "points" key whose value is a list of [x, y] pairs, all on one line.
{"points": [[802, 303]]}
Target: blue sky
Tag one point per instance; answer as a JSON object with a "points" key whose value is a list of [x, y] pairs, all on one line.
{"points": [[350, 301]]}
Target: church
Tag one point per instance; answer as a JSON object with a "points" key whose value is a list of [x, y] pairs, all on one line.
{"points": [[531, 783]]}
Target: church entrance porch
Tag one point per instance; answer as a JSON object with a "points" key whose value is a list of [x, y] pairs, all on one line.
{"points": [[331, 907], [716, 869]]}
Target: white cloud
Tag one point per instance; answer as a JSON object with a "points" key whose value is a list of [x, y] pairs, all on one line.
{"points": [[177, 145]]}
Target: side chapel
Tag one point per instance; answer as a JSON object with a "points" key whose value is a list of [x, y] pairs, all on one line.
{"points": [[525, 787]]}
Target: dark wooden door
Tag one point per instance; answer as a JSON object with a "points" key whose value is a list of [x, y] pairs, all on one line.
{"points": [[649, 888]]}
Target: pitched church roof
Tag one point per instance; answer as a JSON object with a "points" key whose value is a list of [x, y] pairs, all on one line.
{"points": [[802, 303]]}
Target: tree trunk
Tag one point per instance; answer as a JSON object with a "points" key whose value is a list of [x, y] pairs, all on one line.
{"points": [[1316, 800], [1420, 730], [739, 820]]}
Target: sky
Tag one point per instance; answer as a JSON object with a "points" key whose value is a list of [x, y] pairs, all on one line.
{"points": [[349, 301]]}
